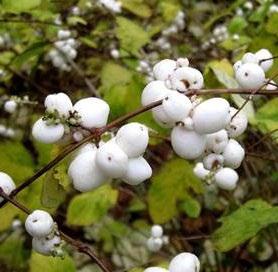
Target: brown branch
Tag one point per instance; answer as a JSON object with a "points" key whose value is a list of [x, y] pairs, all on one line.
{"points": [[81, 247]]}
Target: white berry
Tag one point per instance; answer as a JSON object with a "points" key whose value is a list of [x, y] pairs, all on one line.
{"points": [[156, 269], [233, 154], [163, 69], [154, 244], [10, 106], [187, 144], [162, 118], [39, 223], [211, 115], [93, 112], [112, 160], [157, 231], [226, 178], [84, 173], [185, 262], [138, 170], [216, 142], [249, 58], [6, 184], [47, 133], [200, 171], [238, 124], [265, 54], [213, 160], [46, 245], [133, 139]]}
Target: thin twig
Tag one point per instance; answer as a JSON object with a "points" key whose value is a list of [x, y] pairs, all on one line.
{"points": [[81, 247], [29, 22]]}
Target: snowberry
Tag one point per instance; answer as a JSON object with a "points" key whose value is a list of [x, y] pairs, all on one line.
{"points": [[115, 53], [238, 124], [163, 69], [185, 78], [162, 118], [156, 231], [77, 136], [16, 224], [249, 58], [176, 106], [154, 244], [10, 106], [250, 75], [93, 112], [188, 123], [271, 85], [182, 62], [211, 115], [112, 160], [6, 184], [184, 262], [153, 92], [138, 170], [200, 171], [46, 245], [47, 133], [217, 141], [156, 269], [39, 223], [264, 54], [63, 34], [59, 102], [237, 65], [133, 139], [233, 154], [84, 173], [212, 160], [226, 178], [187, 144]]}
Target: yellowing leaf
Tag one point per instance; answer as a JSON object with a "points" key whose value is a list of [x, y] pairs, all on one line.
{"points": [[170, 185], [88, 208]]}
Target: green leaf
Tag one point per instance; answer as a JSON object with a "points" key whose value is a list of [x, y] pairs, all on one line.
{"points": [[169, 9], [170, 185], [272, 23], [34, 51], [20, 6], [86, 209], [244, 224], [16, 161], [51, 264], [131, 35], [237, 24], [13, 253], [190, 206], [267, 116], [137, 7]]}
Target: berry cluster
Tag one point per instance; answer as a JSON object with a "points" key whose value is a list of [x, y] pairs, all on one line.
{"points": [[183, 262], [199, 129], [250, 70], [65, 50], [46, 240], [157, 239], [6, 131]]}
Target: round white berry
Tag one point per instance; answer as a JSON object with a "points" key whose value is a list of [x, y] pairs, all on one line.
{"points": [[226, 178], [163, 69], [47, 133], [10, 106], [237, 65], [262, 55], [233, 154], [93, 112], [112, 160], [250, 75], [84, 173], [59, 102], [185, 78], [153, 92], [216, 142], [155, 269], [238, 124], [39, 223], [161, 118], [200, 171], [187, 144], [6, 184], [188, 123], [182, 62], [138, 170], [46, 245], [176, 106], [133, 139], [77, 136], [211, 115], [156, 231], [63, 34], [154, 244], [185, 262], [249, 58], [213, 160]]}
